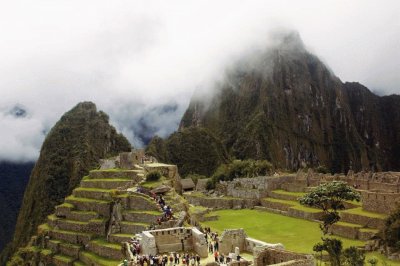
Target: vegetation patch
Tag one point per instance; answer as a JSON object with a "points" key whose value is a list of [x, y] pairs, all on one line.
{"points": [[153, 184], [360, 211], [73, 198], [99, 260], [295, 234], [239, 169], [104, 243], [63, 258], [153, 176]]}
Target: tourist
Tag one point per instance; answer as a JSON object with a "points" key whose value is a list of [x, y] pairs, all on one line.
{"points": [[198, 259], [192, 261], [221, 259], [210, 248], [216, 256], [176, 258], [216, 245]]}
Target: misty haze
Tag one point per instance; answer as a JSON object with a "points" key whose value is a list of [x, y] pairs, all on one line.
{"points": [[137, 131]]}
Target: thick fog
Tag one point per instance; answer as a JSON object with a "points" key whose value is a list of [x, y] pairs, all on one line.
{"points": [[140, 61]]}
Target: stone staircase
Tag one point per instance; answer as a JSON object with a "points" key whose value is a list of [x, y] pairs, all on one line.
{"points": [[88, 228], [355, 223]]}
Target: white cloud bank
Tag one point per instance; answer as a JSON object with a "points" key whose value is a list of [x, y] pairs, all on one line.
{"points": [[129, 57]]}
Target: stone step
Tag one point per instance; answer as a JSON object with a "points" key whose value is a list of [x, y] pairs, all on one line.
{"points": [[54, 245], [93, 226], [285, 195], [275, 204], [70, 236], [83, 216], [52, 220], [141, 216], [106, 249], [102, 207], [114, 173], [64, 209], [137, 202], [262, 208], [107, 183], [133, 228], [305, 213], [92, 259], [79, 263], [347, 230], [93, 193], [72, 225], [63, 260], [119, 238], [364, 218], [367, 233], [70, 250]]}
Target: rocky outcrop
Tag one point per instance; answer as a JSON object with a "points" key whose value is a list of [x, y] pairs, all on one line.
{"points": [[73, 146]]}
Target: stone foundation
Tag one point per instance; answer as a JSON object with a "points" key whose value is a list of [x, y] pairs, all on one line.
{"points": [[174, 240], [270, 256]]}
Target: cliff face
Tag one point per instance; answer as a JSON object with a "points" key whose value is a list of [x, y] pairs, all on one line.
{"points": [[73, 146], [286, 106]]}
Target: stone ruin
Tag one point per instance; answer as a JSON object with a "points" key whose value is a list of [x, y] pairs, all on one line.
{"points": [[178, 239], [377, 189], [127, 160]]}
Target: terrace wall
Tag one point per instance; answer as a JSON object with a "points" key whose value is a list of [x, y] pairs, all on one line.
{"points": [[270, 256]]}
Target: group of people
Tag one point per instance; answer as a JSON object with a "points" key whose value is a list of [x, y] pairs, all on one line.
{"points": [[167, 210], [134, 246], [173, 259], [213, 247]]}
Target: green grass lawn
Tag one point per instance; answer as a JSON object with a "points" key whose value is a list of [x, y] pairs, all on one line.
{"points": [[295, 234]]}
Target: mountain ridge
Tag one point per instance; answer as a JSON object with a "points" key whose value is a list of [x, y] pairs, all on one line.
{"points": [[74, 145], [286, 106]]}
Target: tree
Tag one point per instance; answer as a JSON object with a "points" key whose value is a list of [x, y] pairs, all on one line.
{"points": [[353, 256], [330, 197]]}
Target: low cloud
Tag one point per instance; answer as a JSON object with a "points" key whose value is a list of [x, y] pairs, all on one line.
{"points": [[140, 62]]}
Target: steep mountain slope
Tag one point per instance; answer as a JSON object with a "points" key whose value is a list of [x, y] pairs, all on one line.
{"points": [[286, 106], [74, 145], [13, 180], [193, 150]]}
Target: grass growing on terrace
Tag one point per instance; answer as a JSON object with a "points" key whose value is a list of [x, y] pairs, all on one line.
{"points": [[283, 192], [153, 184], [295, 234], [99, 260], [360, 211], [294, 205]]}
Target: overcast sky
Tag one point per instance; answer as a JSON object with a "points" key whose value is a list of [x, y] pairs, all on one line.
{"points": [[131, 57]]}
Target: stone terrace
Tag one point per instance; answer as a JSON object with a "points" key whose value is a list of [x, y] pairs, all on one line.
{"points": [[88, 228]]}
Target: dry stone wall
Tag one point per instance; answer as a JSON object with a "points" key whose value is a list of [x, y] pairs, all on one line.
{"points": [[174, 239], [271, 256], [374, 201]]}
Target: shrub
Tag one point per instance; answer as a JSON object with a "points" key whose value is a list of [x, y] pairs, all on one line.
{"points": [[322, 169], [153, 176], [196, 177], [239, 169]]}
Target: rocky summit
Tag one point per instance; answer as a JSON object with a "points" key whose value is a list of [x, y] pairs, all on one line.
{"points": [[73, 146], [286, 106]]}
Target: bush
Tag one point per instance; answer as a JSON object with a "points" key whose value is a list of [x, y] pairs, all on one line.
{"points": [[239, 169], [153, 176], [196, 177], [321, 169]]}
